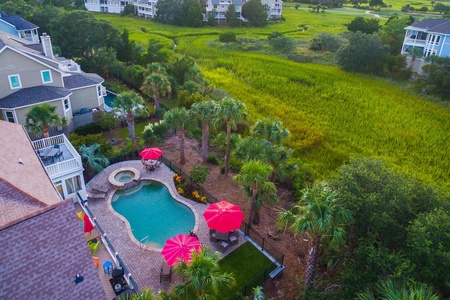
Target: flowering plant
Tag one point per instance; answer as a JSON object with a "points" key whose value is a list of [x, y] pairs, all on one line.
{"points": [[187, 190]]}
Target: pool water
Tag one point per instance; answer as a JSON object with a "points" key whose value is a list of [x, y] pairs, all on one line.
{"points": [[151, 211], [125, 176], [109, 99]]}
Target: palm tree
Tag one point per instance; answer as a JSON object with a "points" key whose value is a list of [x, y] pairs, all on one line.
{"points": [[147, 294], [155, 85], [254, 177], [205, 280], [180, 120], [93, 157], [205, 111], [41, 117], [389, 289], [415, 52], [230, 112], [321, 216], [130, 103], [271, 130]]}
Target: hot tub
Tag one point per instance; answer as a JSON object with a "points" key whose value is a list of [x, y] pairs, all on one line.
{"points": [[124, 178]]}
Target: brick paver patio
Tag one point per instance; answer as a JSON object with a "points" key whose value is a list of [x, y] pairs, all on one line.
{"points": [[144, 262]]}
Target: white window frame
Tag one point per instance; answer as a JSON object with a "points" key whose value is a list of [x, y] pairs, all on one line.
{"points": [[6, 116], [49, 73], [18, 78], [64, 104]]}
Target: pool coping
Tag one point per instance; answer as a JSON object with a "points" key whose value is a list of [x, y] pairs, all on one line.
{"points": [[174, 195], [120, 185]]}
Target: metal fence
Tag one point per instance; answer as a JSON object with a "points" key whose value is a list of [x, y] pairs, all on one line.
{"points": [[109, 247]]}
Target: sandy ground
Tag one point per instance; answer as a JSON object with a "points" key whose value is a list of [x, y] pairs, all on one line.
{"points": [[287, 285]]}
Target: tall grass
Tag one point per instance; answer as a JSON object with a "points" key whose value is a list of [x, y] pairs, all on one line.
{"points": [[333, 115]]}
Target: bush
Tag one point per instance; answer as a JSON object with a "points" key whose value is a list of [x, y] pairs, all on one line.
{"points": [[91, 128], [282, 44], [227, 37], [154, 132], [212, 159], [325, 42], [198, 174]]}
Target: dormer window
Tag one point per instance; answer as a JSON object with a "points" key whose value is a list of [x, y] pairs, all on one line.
{"points": [[14, 81], [46, 76]]}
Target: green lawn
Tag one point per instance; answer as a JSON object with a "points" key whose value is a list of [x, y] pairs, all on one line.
{"points": [[138, 129], [245, 263]]}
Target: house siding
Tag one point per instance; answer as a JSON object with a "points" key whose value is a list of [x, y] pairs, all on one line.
{"points": [[29, 71], [6, 27], [85, 98], [22, 112]]}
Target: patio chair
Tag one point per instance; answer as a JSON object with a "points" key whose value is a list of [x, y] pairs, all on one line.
{"points": [[93, 247], [223, 245], [58, 156], [157, 165], [233, 240], [212, 235], [166, 273]]}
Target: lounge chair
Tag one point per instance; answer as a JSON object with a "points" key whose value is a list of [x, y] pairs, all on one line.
{"points": [[99, 188], [95, 196], [166, 273]]}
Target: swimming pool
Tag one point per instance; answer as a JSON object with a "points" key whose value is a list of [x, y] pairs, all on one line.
{"points": [[109, 99], [151, 211]]}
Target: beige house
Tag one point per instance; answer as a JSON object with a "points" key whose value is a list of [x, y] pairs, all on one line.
{"points": [[30, 74]]}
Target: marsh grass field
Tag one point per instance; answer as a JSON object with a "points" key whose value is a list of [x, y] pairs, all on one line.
{"points": [[333, 115]]}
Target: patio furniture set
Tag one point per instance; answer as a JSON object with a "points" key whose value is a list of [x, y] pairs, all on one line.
{"points": [[50, 154], [224, 240]]}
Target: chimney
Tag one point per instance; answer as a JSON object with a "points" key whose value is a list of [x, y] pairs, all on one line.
{"points": [[47, 45]]}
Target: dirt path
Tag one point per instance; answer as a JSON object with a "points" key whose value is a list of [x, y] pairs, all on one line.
{"points": [[284, 287]]}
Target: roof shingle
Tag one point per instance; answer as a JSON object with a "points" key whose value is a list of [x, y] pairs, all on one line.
{"points": [[17, 21], [81, 80], [34, 95]]}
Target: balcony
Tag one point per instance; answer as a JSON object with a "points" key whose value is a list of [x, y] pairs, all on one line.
{"points": [[68, 162], [414, 42]]}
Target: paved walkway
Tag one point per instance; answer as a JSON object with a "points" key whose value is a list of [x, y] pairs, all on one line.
{"points": [[144, 263]]}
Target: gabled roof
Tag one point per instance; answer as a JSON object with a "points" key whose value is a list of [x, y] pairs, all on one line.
{"points": [[24, 177], [75, 81], [17, 21], [433, 25], [33, 95], [42, 254]]}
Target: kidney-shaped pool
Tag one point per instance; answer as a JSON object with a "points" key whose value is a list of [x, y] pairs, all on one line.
{"points": [[151, 211]]}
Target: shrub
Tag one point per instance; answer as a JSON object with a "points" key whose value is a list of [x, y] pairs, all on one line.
{"points": [[90, 128], [198, 174], [227, 37], [212, 159], [154, 132]]}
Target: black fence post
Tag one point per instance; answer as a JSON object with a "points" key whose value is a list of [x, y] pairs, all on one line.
{"points": [[262, 246]]}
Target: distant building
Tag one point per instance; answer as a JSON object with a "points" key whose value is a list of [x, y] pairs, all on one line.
{"points": [[19, 27], [431, 36], [43, 247], [147, 8]]}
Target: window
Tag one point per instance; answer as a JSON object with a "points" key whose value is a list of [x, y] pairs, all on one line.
{"points": [[73, 184], [59, 188], [9, 116], [99, 90], [14, 81], [46, 76], [437, 39], [66, 104]]}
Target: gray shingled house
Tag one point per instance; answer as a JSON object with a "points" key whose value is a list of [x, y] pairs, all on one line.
{"points": [[30, 74], [43, 247]]}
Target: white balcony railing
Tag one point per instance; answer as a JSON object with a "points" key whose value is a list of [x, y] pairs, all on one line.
{"points": [[71, 164], [415, 42]]}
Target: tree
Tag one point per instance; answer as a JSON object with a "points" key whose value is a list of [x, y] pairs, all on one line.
{"points": [[429, 246], [230, 112], [167, 10], [130, 104], [415, 52], [441, 8], [389, 289], [227, 37], [194, 15], [297, 6], [255, 12], [282, 44], [322, 217], [204, 277], [80, 34], [105, 61], [180, 120], [206, 112], [436, 79], [41, 117], [232, 15], [17, 7], [364, 25], [364, 53], [393, 32], [254, 177], [325, 42], [108, 120], [44, 16], [155, 85], [376, 3], [93, 157]]}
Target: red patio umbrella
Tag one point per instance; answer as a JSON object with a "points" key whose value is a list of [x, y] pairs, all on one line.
{"points": [[151, 153], [88, 226], [180, 248], [223, 216]]}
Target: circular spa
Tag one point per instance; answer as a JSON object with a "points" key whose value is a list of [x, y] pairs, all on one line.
{"points": [[153, 214], [123, 177]]}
